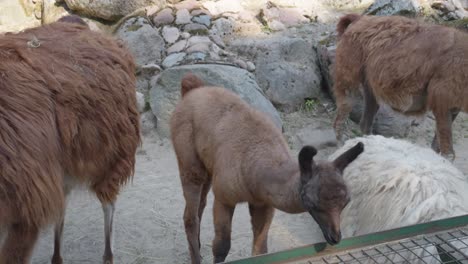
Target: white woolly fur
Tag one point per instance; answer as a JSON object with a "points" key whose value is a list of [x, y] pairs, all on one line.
{"points": [[395, 183]]}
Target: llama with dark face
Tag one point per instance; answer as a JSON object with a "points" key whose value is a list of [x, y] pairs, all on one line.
{"points": [[411, 66], [222, 142]]}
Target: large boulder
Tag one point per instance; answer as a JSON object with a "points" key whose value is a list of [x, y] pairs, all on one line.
{"points": [[394, 7], [286, 69], [110, 10], [144, 41], [165, 90]]}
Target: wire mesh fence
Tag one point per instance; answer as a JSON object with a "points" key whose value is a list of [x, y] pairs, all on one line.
{"points": [[448, 247]]}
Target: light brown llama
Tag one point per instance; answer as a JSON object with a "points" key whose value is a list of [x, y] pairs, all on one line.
{"points": [[411, 66], [221, 141], [68, 116]]}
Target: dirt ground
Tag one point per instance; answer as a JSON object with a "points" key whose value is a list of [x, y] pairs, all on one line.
{"points": [[148, 219]]}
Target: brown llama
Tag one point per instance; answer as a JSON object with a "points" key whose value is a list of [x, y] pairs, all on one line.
{"points": [[223, 142], [68, 116], [409, 65]]}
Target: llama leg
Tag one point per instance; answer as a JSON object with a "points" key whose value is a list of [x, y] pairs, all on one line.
{"points": [[58, 231], [205, 189], [370, 110], [261, 218], [444, 133], [435, 143], [108, 208], [344, 107], [192, 194], [19, 244], [222, 215]]}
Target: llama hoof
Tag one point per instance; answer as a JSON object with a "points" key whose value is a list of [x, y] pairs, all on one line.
{"points": [[57, 260], [108, 260], [449, 156]]}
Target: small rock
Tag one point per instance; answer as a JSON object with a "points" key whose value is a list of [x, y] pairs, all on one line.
{"points": [[214, 56], [199, 47], [164, 17], [188, 4], [183, 17], [196, 29], [240, 63], [151, 11], [203, 19], [218, 40], [185, 35], [173, 59], [250, 66], [177, 47], [198, 12], [197, 56], [148, 122], [275, 25], [222, 27], [149, 70], [140, 98], [170, 34], [223, 6], [319, 138], [198, 39]]}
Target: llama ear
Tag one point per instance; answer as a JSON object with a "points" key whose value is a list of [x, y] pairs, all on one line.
{"points": [[349, 156], [306, 156]]}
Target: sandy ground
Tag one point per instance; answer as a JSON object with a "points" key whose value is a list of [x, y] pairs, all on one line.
{"points": [[148, 219]]}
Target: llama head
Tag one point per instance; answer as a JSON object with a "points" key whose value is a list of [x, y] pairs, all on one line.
{"points": [[323, 191]]}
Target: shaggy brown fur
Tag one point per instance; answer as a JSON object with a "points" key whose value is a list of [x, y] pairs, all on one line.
{"points": [[411, 66], [219, 140], [67, 108]]}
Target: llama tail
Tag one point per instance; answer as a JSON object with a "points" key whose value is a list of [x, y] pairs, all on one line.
{"points": [[345, 21], [189, 82]]}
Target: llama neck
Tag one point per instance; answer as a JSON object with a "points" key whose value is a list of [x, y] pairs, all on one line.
{"points": [[280, 187]]}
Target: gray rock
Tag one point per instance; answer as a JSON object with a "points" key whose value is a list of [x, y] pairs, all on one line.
{"points": [[223, 6], [199, 47], [218, 40], [177, 47], [142, 85], [286, 69], [196, 29], [185, 35], [203, 19], [148, 123], [387, 122], [51, 12], [250, 66], [222, 27], [450, 9], [149, 70], [170, 34], [140, 102], [198, 39], [142, 39], [240, 63], [196, 56], [198, 12], [183, 17], [394, 7], [164, 17], [319, 138], [188, 4], [173, 59], [165, 90], [109, 10]]}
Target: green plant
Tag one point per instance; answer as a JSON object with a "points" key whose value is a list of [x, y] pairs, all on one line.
{"points": [[310, 104]]}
